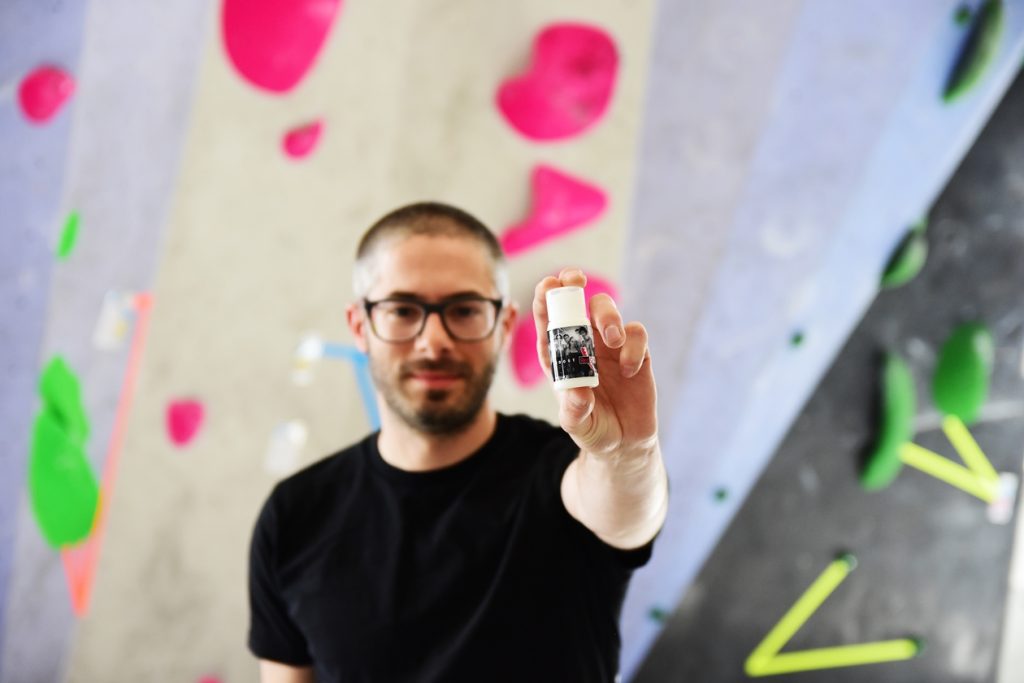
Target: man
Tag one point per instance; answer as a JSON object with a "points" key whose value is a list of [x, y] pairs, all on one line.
{"points": [[459, 544]]}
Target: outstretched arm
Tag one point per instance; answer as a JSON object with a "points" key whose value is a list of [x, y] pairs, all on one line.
{"points": [[617, 486]]}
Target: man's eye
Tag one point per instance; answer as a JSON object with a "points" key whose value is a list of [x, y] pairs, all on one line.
{"points": [[404, 311], [464, 311]]}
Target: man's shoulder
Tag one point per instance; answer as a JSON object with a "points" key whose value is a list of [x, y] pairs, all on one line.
{"points": [[328, 475]]}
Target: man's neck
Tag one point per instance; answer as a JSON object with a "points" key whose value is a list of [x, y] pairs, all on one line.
{"points": [[408, 449]]}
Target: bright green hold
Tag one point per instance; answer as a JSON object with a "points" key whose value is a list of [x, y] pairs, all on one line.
{"points": [[981, 46], [62, 486], [61, 483], [69, 236], [899, 406], [908, 260], [963, 15], [657, 614], [961, 380], [62, 398]]}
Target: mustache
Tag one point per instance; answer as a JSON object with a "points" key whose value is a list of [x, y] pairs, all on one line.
{"points": [[448, 367]]}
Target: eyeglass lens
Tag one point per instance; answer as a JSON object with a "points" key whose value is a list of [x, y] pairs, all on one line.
{"points": [[466, 320]]}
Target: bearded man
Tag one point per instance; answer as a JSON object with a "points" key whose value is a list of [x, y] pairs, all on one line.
{"points": [[457, 543]]}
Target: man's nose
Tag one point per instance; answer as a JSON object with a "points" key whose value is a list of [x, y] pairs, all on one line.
{"points": [[434, 336]]}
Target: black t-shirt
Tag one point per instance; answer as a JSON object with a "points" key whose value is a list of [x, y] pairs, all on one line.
{"points": [[472, 572]]}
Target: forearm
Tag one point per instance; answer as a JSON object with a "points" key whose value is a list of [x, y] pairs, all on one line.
{"points": [[622, 498]]}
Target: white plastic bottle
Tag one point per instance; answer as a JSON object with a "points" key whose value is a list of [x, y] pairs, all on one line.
{"points": [[570, 339]]}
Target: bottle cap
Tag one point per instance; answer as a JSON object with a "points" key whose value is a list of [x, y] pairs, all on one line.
{"points": [[566, 306]]}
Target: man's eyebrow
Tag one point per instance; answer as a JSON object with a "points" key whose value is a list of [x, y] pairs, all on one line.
{"points": [[399, 294]]}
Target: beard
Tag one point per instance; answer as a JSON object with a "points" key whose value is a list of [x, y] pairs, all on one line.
{"points": [[438, 411]]}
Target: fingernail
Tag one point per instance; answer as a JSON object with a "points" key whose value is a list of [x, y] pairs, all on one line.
{"points": [[628, 370], [612, 334], [577, 402]]}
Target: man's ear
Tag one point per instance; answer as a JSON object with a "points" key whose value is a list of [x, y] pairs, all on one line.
{"points": [[508, 324], [355, 314]]}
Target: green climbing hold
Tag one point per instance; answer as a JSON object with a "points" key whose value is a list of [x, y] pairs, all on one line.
{"points": [[963, 15], [62, 486], [908, 260], [68, 236], [61, 483], [979, 49], [960, 383], [657, 614], [899, 405], [849, 559], [62, 398]]}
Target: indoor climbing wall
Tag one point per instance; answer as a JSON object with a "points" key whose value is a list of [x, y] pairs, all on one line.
{"points": [[931, 552], [808, 139], [186, 184], [200, 328], [90, 158]]}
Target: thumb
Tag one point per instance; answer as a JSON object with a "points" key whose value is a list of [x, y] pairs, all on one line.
{"points": [[575, 409]]}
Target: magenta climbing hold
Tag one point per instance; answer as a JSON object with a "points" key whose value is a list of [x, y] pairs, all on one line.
{"points": [[184, 417], [523, 349], [273, 43], [43, 92], [300, 142], [568, 85], [598, 285], [561, 204]]}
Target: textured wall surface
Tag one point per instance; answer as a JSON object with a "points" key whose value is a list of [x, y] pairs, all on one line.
{"points": [[32, 180], [791, 229], [930, 562], [257, 252]]}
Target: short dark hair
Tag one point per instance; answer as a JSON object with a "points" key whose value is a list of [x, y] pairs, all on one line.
{"points": [[425, 218]]}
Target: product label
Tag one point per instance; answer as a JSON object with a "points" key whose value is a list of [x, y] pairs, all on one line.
{"points": [[572, 352]]}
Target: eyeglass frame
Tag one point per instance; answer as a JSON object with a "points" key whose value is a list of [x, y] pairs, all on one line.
{"points": [[429, 308]]}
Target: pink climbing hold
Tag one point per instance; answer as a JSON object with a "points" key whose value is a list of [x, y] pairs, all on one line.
{"points": [[523, 350], [44, 91], [568, 85], [561, 204], [183, 420], [525, 366], [300, 142], [273, 43]]}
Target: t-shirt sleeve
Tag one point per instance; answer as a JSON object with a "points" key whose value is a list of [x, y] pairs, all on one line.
{"points": [[632, 558], [273, 634]]}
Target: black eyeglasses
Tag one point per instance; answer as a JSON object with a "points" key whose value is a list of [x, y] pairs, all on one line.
{"points": [[464, 318]]}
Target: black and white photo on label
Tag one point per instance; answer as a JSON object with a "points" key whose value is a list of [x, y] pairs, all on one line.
{"points": [[572, 352]]}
